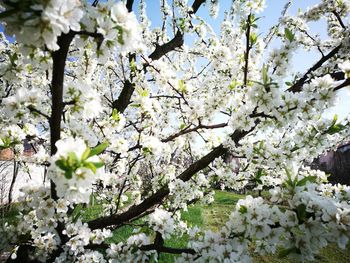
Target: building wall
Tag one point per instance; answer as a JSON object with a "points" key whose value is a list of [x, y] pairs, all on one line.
{"points": [[337, 164]]}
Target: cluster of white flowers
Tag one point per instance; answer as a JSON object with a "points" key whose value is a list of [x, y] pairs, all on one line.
{"points": [[73, 170], [162, 221], [39, 220], [226, 111], [17, 104], [315, 12], [118, 28], [152, 145], [37, 23], [12, 136], [214, 8], [306, 211], [123, 252], [86, 100], [181, 191], [244, 8]]}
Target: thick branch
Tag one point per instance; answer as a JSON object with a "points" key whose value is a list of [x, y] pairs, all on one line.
{"points": [[129, 4], [59, 62], [178, 39], [161, 50], [196, 5], [343, 85], [128, 89], [341, 23], [157, 197], [296, 87], [124, 98], [89, 34], [248, 47]]}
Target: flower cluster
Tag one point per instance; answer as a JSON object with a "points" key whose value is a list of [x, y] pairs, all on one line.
{"points": [[118, 28], [145, 120], [74, 168], [37, 23]]}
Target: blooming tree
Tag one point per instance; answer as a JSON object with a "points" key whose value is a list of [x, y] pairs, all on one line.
{"points": [[150, 117]]}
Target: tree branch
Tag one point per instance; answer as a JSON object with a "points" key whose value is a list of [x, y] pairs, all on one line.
{"points": [[187, 130], [124, 97], [248, 47], [343, 85], [178, 39], [128, 89], [32, 109], [296, 87], [158, 196], [169, 250], [129, 4], [161, 50], [89, 34], [59, 62], [339, 19]]}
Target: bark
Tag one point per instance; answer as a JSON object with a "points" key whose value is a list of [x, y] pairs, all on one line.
{"points": [[337, 164], [14, 177]]}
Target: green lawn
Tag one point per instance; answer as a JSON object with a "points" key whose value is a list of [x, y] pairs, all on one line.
{"points": [[215, 215], [212, 217]]}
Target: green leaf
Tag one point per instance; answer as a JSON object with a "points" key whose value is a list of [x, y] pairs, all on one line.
{"points": [[253, 38], [257, 179], [182, 86], [335, 129], [120, 35], [144, 92], [146, 150], [243, 209], [90, 166], [265, 76], [334, 121], [133, 67], [68, 174], [311, 179], [86, 154], [76, 217], [98, 149], [182, 23], [232, 85], [288, 34], [115, 115], [62, 165], [301, 212], [252, 19], [98, 164], [72, 159]]}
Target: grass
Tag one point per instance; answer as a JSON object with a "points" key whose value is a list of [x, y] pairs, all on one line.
{"points": [[211, 217]]}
